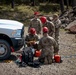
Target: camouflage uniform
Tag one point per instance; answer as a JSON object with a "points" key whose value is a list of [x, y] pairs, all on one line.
{"points": [[50, 26], [35, 23], [57, 27], [47, 44], [31, 38]]}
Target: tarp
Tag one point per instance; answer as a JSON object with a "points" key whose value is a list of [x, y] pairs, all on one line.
{"points": [[71, 25], [73, 29]]}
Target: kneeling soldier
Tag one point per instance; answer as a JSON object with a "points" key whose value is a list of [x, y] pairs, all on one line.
{"points": [[46, 44]]}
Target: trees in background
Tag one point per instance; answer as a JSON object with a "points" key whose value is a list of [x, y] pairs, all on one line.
{"points": [[62, 5], [73, 3], [67, 4], [12, 3], [36, 2], [33, 1]]}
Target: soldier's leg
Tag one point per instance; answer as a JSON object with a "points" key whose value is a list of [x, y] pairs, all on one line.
{"points": [[57, 36], [46, 61], [57, 39], [41, 58], [49, 58]]}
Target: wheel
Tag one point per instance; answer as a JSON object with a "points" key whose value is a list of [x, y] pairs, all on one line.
{"points": [[5, 49]]}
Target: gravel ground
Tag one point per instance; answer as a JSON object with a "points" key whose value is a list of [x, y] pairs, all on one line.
{"points": [[67, 67]]}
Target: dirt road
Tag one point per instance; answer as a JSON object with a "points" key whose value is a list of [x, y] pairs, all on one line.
{"points": [[67, 67]]}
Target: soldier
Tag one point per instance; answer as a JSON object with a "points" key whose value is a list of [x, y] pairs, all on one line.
{"points": [[32, 38], [35, 23], [46, 44], [48, 24], [57, 23]]}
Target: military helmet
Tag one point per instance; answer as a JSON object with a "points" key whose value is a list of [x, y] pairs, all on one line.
{"points": [[36, 13], [43, 19], [45, 30], [32, 31], [55, 15]]}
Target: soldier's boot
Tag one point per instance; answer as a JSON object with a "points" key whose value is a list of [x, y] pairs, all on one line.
{"points": [[41, 60]]}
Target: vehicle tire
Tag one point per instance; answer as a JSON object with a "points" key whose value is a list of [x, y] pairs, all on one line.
{"points": [[5, 49]]}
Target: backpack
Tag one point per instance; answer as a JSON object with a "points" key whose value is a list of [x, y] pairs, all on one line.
{"points": [[28, 58]]}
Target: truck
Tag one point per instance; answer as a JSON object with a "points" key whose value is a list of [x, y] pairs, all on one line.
{"points": [[11, 37]]}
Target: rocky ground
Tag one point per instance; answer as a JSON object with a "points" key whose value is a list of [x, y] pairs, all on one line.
{"points": [[67, 67]]}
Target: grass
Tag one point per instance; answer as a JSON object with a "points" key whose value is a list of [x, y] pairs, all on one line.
{"points": [[22, 12]]}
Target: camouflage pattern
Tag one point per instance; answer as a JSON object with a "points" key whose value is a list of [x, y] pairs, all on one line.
{"points": [[35, 23], [57, 24], [47, 44], [50, 26], [31, 37], [31, 40]]}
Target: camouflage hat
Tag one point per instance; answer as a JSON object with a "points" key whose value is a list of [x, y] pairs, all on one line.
{"points": [[55, 15]]}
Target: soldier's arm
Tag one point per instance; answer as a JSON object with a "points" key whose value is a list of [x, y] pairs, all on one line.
{"points": [[40, 45], [37, 38], [27, 41], [40, 26], [58, 23], [27, 38], [52, 28]]}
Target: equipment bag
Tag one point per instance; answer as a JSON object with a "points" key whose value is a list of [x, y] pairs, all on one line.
{"points": [[27, 56]]}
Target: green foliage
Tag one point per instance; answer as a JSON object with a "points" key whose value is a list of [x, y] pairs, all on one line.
{"points": [[5, 2], [23, 13], [49, 8]]}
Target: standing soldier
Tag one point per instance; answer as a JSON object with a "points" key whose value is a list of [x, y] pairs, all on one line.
{"points": [[35, 23], [48, 24], [57, 23], [46, 44]]}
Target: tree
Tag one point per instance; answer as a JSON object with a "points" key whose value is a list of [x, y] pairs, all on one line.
{"points": [[73, 3], [12, 3], [62, 5], [67, 1], [33, 2]]}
